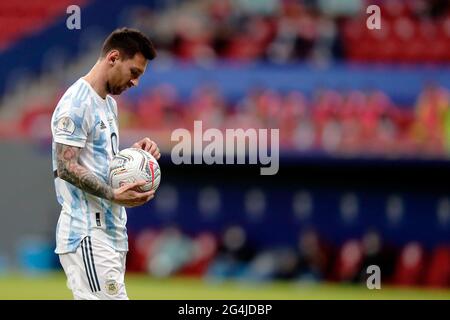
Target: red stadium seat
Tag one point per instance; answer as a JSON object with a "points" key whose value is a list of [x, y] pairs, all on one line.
{"points": [[438, 273], [410, 265], [22, 18], [349, 261], [394, 9], [402, 38], [140, 247], [205, 251]]}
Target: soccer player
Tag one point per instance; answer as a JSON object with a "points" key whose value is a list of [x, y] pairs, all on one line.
{"points": [[91, 234]]}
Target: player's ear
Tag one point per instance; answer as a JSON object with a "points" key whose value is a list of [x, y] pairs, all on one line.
{"points": [[113, 56]]}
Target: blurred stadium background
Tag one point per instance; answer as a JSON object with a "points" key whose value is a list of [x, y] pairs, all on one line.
{"points": [[364, 119]]}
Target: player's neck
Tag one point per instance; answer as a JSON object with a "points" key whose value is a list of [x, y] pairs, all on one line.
{"points": [[96, 79]]}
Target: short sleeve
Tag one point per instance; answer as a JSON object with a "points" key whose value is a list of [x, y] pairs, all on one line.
{"points": [[71, 124]]}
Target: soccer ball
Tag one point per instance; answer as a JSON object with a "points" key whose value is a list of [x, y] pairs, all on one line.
{"points": [[131, 165]]}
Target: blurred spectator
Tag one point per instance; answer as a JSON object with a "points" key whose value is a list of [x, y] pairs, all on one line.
{"points": [[354, 123], [348, 262], [272, 263], [431, 119], [310, 262], [410, 265], [286, 31], [315, 257], [438, 273], [375, 252], [235, 252], [170, 252], [205, 250]]}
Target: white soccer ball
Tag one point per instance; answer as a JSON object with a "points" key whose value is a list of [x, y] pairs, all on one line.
{"points": [[131, 165]]}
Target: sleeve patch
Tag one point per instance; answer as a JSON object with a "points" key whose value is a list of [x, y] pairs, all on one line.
{"points": [[66, 126]]}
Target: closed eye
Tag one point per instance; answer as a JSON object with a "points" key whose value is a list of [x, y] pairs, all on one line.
{"points": [[135, 73]]}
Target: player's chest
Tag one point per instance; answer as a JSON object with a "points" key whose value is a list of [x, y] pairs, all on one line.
{"points": [[105, 125]]}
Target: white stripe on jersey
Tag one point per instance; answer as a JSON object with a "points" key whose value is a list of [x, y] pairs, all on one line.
{"points": [[83, 119]]}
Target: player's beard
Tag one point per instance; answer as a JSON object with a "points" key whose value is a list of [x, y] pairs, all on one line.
{"points": [[113, 90], [108, 87]]}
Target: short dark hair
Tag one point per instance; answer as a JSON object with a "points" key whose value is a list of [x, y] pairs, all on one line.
{"points": [[129, 42]]}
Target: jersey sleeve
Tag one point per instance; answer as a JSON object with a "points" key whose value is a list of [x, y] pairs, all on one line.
{"points": [[72, 123]]}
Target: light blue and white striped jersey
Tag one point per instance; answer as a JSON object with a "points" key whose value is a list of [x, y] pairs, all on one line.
{"points": [[83, 119]]}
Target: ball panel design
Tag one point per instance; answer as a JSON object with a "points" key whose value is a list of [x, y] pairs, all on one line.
{"points": [[131, 165]]}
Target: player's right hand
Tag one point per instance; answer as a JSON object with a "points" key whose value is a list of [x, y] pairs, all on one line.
{"points": [[127, 196]]}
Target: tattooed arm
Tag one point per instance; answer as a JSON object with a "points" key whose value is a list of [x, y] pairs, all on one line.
{"points": [[71, 171]]}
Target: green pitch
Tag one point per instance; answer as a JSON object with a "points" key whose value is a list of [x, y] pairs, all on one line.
{"points": [[53, 286]]}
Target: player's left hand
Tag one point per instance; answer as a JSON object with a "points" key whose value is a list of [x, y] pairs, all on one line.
{"points": [[148, 145]]}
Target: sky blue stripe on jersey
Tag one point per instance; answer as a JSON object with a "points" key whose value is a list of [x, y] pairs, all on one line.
{"points": [[111, 112], [82, 92], [81, 97], [76, 92], [101, 156], [76, 216], [57, 113], [67, 96], [85, 93], [60, 199], [102, 204], [108, 109], [109, 104], [110, 226], [73, 238], [88, 214], [81, 89]]}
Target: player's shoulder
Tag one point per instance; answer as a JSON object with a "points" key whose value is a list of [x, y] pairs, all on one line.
{"points": [[76, 94]]}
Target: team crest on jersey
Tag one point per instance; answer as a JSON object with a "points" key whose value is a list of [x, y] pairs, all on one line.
{"points": [[112, 287], [65, 125]]}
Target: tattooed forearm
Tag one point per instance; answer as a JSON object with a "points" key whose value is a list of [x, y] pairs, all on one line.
{"points": [[71, 171]]}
